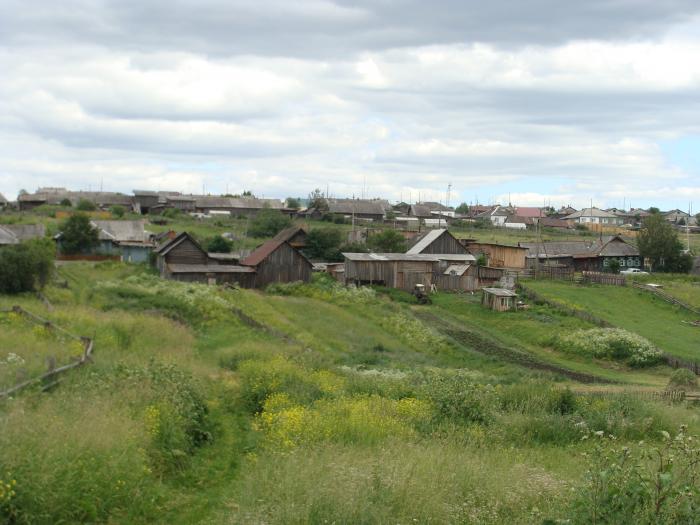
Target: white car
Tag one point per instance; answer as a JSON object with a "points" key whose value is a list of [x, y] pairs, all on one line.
{"points": [[634, 271]]}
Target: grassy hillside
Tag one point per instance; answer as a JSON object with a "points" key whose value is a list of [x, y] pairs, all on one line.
{"points": [[632, 309], [315, 404]]}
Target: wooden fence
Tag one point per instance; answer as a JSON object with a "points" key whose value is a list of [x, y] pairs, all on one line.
{"points": [[53, 371], [612, 279], [666, 297], [671, 396]]}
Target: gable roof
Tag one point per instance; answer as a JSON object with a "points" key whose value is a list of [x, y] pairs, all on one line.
{"points": [[121, 231], [616, 246], [288, 233], [361, 206], [422, 241], [163, 249], [524, 211], [559, 248], [16, 233], [263, 251], [591, 212]]}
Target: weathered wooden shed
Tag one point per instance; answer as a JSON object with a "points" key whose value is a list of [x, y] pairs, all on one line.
{"points": [[183, 249], [244, 276], [439, 241], [296, 236], [395, 270], [500, 255], [499, 299], [277, 261]]}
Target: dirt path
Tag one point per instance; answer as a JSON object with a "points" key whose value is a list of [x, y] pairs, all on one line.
{"points": [[489, 346]]}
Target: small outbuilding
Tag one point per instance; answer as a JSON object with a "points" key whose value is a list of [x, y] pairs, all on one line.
{"points": [[499, 299], [277, 261]]}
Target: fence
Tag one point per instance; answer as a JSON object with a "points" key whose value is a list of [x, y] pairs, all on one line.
{"points": [[672, 396], [666, 297], [612, 279], [52, 371]]}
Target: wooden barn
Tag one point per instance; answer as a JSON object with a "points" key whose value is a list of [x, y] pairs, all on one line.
{"points": [[394, 270], [277, 261], [499, 299], [183, 259], [438, 241], [500, 255], [296, 236]]}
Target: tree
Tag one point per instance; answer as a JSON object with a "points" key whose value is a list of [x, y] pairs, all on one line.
{"points": [[293, 203], [324, 244], [462, 209], [66, 202], [654, 210], [219, 245], [388, 241], [658, 241], [614, 266], [317, 200], [268, 223], [86, 205], [248, 193], [27, 266], [117, 211], [78, 235]]}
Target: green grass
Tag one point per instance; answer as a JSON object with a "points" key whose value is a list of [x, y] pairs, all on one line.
{"points": [[329, 406], [635, 310]]}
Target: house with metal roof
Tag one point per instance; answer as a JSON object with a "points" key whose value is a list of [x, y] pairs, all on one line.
{"points": [[436, 241], [595, 216], [17, 233], [590, 255]]}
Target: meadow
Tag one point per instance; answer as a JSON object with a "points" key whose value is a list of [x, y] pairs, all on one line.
{"points": [[322, 404], [635, 310]]}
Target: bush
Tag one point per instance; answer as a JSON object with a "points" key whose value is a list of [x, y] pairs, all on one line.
{"points": [[323, 244], [78, 235], [457, 399], [682, 379], [610, 343], [219, 245], [66, 202], [27, 266], [172, 213], [388, 241], [117, 211], [86, 205], [268, 223], [643, 484]]}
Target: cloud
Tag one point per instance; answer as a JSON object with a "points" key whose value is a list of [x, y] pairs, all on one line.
{"points": [[539, 99]]}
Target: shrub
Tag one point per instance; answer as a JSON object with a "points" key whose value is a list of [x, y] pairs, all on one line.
{"points": [[268, 223], [682, 379], [77, 234], [86, 205], [219, 245], [388, 241], [27, 266], [610, 343], [172, 213], [325, 288], [324, 243], [117, 211], [643, 484], [66, 202], [457, 399]]}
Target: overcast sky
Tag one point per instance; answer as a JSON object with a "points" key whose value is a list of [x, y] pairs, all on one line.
{"points": [[529, 100]]}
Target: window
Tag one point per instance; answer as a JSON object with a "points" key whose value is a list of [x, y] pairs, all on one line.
{"points": [[622, 261]]}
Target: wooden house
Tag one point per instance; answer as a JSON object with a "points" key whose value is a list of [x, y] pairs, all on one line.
{"points": [[277, 261], [499, 299], [499, 255], [369, 209], [128, 239], [394, 270], [183, 259], [296, 236], [439, 241], [17, 233]]}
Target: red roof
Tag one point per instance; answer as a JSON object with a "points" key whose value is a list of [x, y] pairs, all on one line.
{"points": [[523, 211], [262, 252]]}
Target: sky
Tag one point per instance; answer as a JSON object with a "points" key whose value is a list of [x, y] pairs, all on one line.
{"points": [[531, 101]]}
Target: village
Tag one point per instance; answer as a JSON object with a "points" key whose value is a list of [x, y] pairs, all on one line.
{"points": [[441, 248]]}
